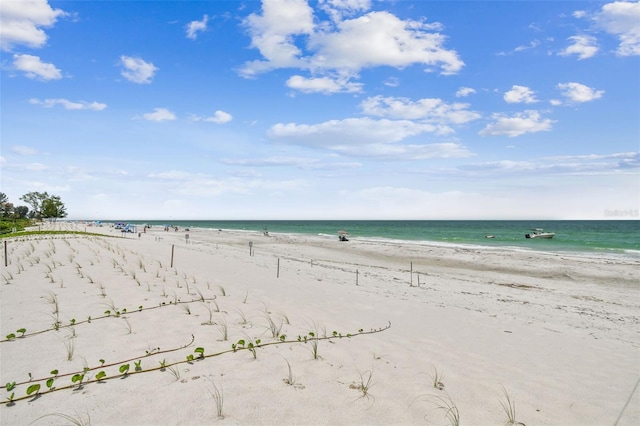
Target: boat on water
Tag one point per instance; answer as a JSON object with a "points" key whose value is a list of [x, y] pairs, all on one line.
{"points": [[539, 233]]}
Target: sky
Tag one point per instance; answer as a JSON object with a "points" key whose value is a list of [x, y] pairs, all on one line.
{"points": [[331, 109]]}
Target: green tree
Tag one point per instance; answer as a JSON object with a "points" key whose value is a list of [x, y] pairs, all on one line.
{"points": [[44, 205], [6, 208], [53, 208], [21, 212], [35, 199]]}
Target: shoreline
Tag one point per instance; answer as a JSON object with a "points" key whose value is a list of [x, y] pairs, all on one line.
{"points": [[559, 332], [559, 246]]}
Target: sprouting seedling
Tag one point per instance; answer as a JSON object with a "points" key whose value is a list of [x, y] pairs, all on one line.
{"points": [[175, 371], [33, 388], [218, 396], [366, 381], [273, 327], [314, 344], [138, 366], [10, 386], [163, 364], [22, 331], [124, 369], [49, 383], [200, 352], [78, 378], [10, 336], [71, 348], [252, 347], [101, 361], [509, 408], [290, 380], [127, 325], [437, 380], [101, 375]]}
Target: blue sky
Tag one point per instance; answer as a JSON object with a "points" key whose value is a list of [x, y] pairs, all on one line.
{"points": [[335, 109]]}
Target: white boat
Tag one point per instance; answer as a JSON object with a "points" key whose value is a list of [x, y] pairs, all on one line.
{"points": [[539, 233]]}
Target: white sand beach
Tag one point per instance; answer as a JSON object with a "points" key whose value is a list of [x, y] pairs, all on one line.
{"points": [[553, 337]]}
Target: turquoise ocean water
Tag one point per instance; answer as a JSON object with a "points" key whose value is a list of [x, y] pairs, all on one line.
{"points": [[621, 237]]}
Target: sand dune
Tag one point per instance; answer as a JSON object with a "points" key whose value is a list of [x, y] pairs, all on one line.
{"points": [[559, 333]]}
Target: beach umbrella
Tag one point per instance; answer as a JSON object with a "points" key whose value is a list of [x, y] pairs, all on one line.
{"points": [[343, 232]]}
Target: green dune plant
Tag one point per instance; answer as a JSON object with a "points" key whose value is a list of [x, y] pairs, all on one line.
{"points": [[314, 343], [79, 378]]}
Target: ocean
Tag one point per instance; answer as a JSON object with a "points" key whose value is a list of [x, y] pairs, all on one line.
{"points": [[614, 237]]}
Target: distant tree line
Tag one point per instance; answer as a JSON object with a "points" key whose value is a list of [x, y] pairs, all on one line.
{"points": [[43, 206]]}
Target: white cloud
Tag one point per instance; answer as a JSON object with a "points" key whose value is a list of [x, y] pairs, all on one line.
{"points": [[137, 70], [517, 125], [365, 137], [34, 68], [323, 85], [584, 46], [398, 44], [338, 9], [429, 109], [463, 92], [351, 131], [272, 33], [194, 27], [219, 117], [622, 19], [301, 163], [21, 23], [532, 45], [204, 185], [392, 82], [159, 114], [287, 37], [24, 150], [67, 104], [520, 94], [576, 92]]}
